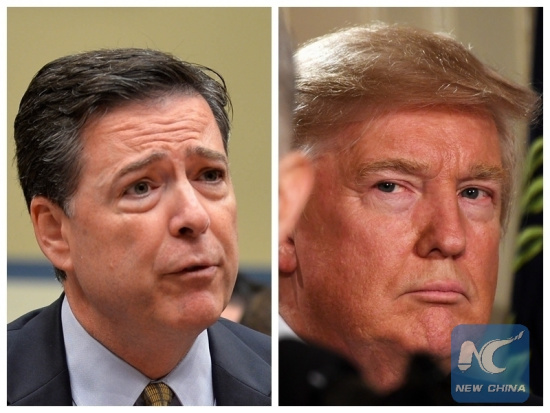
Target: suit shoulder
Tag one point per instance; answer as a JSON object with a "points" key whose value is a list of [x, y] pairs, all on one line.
{"points": [[259, 343], [241, 364], [245, 332], [35, 327], [36, 362], [21, 324]]}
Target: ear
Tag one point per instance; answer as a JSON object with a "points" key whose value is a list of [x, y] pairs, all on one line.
{"points": [[287, 257], [295, 183], [50, 229]]}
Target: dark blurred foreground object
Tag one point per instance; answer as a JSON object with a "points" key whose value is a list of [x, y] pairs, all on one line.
{"points": [[312, 376]]}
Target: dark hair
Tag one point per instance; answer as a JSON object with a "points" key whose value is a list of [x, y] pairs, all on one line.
{"points": [[69, 91]]}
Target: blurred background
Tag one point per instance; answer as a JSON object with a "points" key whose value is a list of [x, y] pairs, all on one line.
{"points": [[510, 40], [236, 42]]}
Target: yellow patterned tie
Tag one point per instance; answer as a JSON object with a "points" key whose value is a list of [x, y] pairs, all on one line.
{"points": [[157, 394]]}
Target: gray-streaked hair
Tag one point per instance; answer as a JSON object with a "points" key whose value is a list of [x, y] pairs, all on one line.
{"points": [[66, 93]]}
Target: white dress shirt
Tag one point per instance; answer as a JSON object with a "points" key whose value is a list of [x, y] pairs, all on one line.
{"points": [[285, 331], [100, 378]]}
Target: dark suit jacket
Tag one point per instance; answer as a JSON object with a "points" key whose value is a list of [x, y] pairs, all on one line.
{"points": [[38, 374]]}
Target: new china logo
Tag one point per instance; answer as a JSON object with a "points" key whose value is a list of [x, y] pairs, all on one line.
{"points": [[490, 363]]}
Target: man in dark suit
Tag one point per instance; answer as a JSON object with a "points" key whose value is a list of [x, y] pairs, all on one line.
{"points": [[122, 158]]}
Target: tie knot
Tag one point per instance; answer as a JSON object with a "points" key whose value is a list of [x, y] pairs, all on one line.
{"points": [[157, 394]]}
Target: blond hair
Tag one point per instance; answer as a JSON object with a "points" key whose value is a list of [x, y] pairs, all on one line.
{"points": [[391, 67]]}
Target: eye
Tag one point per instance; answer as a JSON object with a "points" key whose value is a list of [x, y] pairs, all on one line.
{"points": [[473, 193], [387, 186], [212, 175], [139, 188]]}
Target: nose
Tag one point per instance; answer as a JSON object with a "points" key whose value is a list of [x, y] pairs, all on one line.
{"points": [[188, 215], [443, 232]]}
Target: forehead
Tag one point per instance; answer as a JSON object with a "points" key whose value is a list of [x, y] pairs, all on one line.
{"points": [[428, 134], [137, 126]]}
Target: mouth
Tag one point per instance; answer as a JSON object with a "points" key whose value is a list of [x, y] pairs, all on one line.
{"points": [[441, 292], [196, 270]]}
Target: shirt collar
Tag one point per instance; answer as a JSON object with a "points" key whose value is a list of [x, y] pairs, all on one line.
{"points": [[285, 332], [100, 378]]}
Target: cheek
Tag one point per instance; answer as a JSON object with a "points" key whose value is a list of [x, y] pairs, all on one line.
{"points": [[484, 256], [223, 221], [112, 245], [343, 266], [223, 235], [351, 238]]}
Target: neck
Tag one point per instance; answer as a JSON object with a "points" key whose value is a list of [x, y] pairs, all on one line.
{"points": [[152, 351], [154, 357]]}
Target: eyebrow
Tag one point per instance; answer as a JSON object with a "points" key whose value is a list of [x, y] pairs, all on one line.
{"points": [[405, 166], [488, 173], [141, 163], [157, 156], [207, 153], [482, 172]]}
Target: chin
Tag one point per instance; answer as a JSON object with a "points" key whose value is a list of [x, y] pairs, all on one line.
{"points": [[438, 346], [194, 324], [431, 333], [199, 313]]}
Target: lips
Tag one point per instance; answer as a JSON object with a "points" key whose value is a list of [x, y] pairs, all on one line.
{"points": [[441, 292], [195, 268]]}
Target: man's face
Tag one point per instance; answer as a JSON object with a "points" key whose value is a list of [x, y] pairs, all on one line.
{"points": [[399, 240], [152, 234]]}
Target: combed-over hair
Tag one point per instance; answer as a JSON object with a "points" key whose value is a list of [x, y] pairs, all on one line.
{"points": [[391, 67]]}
